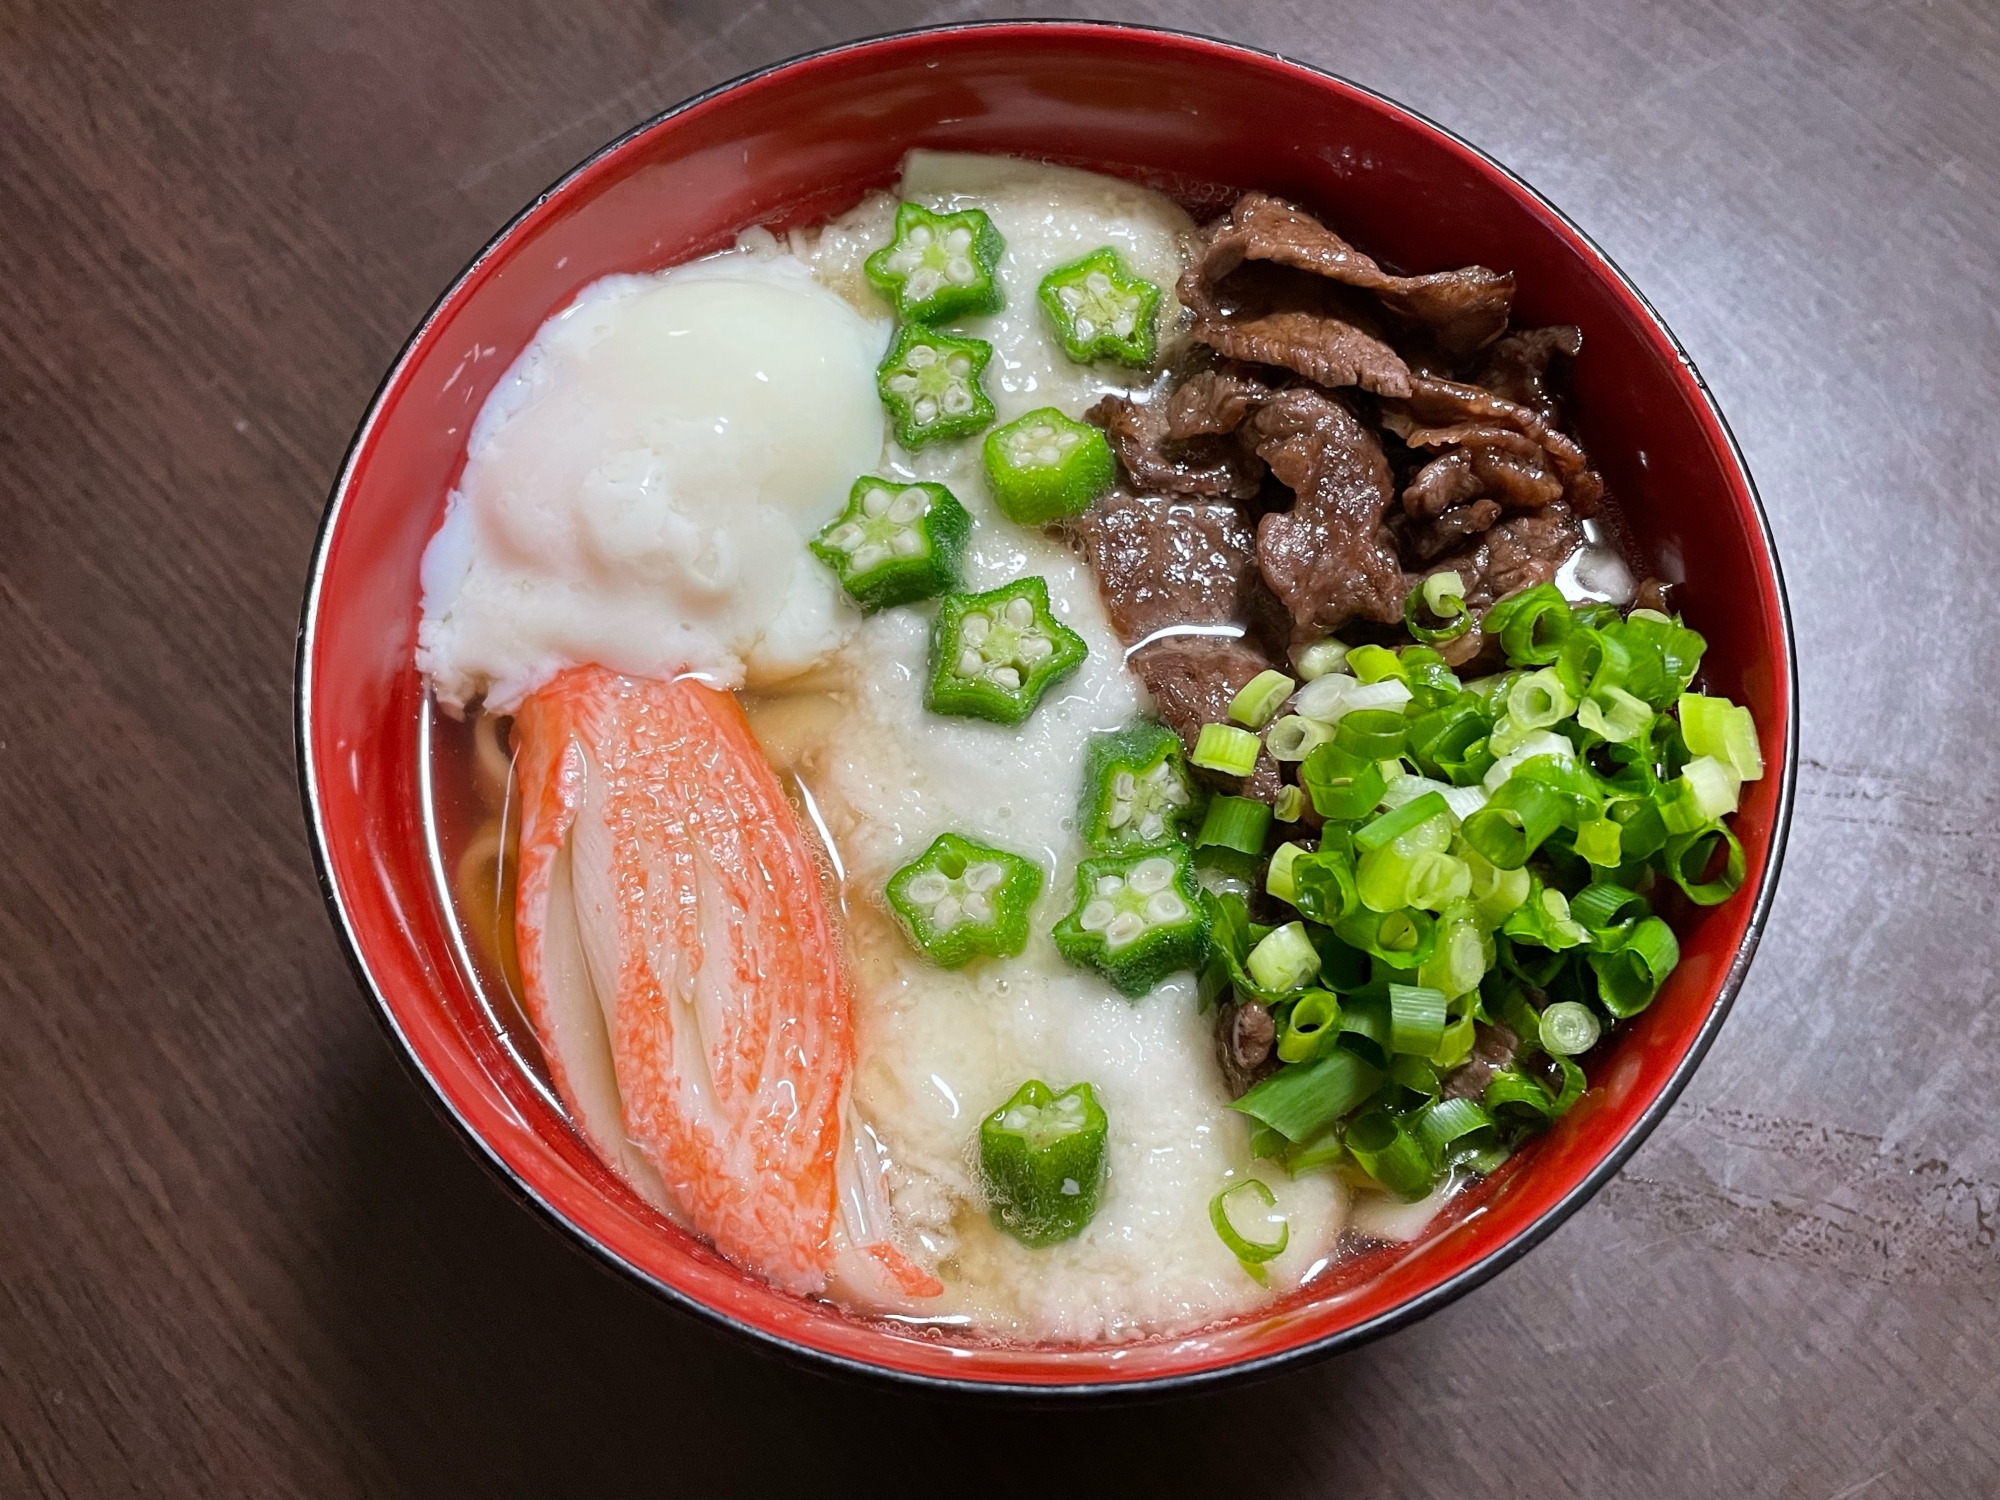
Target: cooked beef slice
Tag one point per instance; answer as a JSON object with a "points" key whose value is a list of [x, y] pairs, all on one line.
{"points": [[1268, 315], [1216, 401], [1167, 560], [1156, 462], [1462, 310], [1330, 557], [1491, 461], [1516, 368], [1514, 554], [1245, 1045], [1192, 679], [1440, 413], [1450, 529]]}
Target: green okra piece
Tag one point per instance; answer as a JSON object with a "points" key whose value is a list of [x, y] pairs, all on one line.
{"points": [[896, 542], [938, 266], [961, 899], [1102, 310], [930, 383], [1138, 918], [994, 655], [1044, 466], [1136, 789], [1041, 1162]]}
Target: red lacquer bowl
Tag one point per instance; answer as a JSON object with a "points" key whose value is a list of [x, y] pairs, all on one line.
{"points": [[798, 141]]}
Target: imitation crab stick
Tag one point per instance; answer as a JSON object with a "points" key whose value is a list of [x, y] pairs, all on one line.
{"points": [[684, 976]]}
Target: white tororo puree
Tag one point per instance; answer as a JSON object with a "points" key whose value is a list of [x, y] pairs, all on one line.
{"points": [[638, 487], [938, 1050]]}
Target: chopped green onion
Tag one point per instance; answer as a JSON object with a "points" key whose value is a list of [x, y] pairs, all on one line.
{"points": [[1514, 822], [1629, 975], [1602, 905], [1312, 1021], [1278, 875], [1342, 786], [1414, 1073], [1594, 660], [1714, 786], [1323, 887], [1690, 855], [1717, 727], [1387, 1152], [1456, 1045], [1395, 824], [1545, 918], [1666, 655], [1614, 714], [1323, 1150], [1225, 748], [1294, 737], [1260, 698], [1442, 596], [1495, 892], [1463, 954], [1234, 823], [1290, 804], [1599, 842], [1375, 663], [1416, 1019], [1285, 960], [1569, 1028], [1436, 1126], [1539, 699], [1541, 743], [1373, 733], [1320, 658], [1532, 625], [1403, 939], [1250, 1253], [1300, 1101]]}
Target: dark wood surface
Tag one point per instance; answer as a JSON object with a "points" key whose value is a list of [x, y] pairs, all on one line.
{"points": [[239, 1254]]}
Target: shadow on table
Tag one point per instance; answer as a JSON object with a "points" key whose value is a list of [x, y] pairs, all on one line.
{"points": [[490, 1357]]}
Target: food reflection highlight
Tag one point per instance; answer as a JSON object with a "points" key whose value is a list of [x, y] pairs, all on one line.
{"points": [[940, 848]]}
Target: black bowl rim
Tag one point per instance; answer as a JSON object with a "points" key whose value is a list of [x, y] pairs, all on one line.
{"points": [[1400, 1316]]}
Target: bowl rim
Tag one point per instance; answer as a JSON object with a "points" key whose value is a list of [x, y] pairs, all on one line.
{"points": [[1098, 1391]]}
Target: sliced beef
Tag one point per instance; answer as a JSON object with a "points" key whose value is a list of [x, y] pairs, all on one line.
{"points": [[1245, 1045], [1329, 558], [1156, 462], [1653, 594], [1516, 368], [1444, 413], [1270, 316], [1167, 560], [1462, 310], [1427, 539], [1517, 553], [1492, 461], [1492, 1049], [1192, 679], [1216, 401]]}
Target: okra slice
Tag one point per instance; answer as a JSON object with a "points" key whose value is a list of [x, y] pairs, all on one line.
{"points": [[1138, 918], [930, 383], [994, 654], [1101, 310], [962, 900], [1136, 790], [895, 542], [1044, 466], [939, 266], [1041, 1162]]}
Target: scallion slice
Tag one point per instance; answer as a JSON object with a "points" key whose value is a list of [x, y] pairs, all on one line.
{"points": [[1375, 664], [1285, 960], [1538, 700], [1318, 659], [1225, 748], [1388, 1153], [1689, 856], [1717, 727], [1235, 823], [1372, 733], [1532, 625], [1514, 822], [1569, 1028], [1436, 1126], [1343, 787], [1714, 786], [1260, 698], [1278, 874], [1290, 803], [1302, 1100], [1251, 1254], [1315, 1018], [1401, 820], [1294, 737], [1603, 905], [1614, 714], [1630, 973], [1416, 1019], [1442, 596]]}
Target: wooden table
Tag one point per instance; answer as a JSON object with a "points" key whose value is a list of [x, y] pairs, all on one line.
{"points": [[240, 1255]]}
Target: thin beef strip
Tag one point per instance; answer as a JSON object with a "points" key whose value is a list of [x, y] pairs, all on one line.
{"points": [[1492, 1049], [1172, 465], [1517, 553], [1215, 401], [1443, 413], [1330, 557], [1165, 560], [1245, 1045], [1268, 315], [1495, 461], [1427, 539], [1517, 367], [1463, 310]]}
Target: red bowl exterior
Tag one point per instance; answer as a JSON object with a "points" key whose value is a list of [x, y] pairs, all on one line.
{"points": [[788, 145]]}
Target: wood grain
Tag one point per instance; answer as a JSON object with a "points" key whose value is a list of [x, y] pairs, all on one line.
{"points": [[239, 1255]]}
